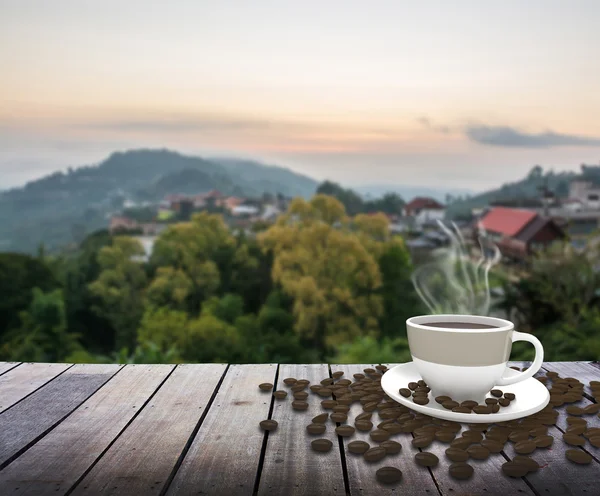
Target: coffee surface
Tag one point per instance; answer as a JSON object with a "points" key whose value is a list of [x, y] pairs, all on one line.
{"points": [[458, 325]]}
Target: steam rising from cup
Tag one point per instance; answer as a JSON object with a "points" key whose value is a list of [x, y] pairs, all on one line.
{"points": [[456, 283]]}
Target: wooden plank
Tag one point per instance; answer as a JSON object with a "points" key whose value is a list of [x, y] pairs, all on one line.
{"points": [[28, 420], [24, 380], [290, 465], [585, 372], [55, 463], [6, 366], [224, 455], [143, 457], [558, 476], [361, 475]]}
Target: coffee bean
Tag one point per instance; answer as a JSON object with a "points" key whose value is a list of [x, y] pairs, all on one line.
{"points": [[268, 425], [499, 436], [421, 401], [369, 371], [474, 436], [322, 445], [492, 445], [595, 441], [299, 387], [327, 381], [325, 392], [315, 387], [591, 409], [525, 447], [449, 405], [576, 429], [364, 416], [422, 441], [513, 469], [328, 404], [280, 394], [518, 436], [543, 441], [503, 402], [592, 432], [457, 454], [345, 430], [426, 459], [576, 420], [341, 408], [339, 417], [475, 427], [461, 443], [526, 461], [290, 381], [391, 447], [338, 374], [496, 393], [388, 475], [574, 410], [363, 425], [460, 470], [320, 419], [461, 409], [300, 395], [482, 410], [441, 399], [405, 392], [491, 401], [374, 454], [543, 379], [573, 440], [299, 405], [358, 447], [470, 404], [412, 386], [345, 400], [304, 382], [538, 431], [552, 375], [379, 435], [315, 428], [509, 396], [265, 386], [578, 456], [393, 428], [478, 452], [495, 408]]}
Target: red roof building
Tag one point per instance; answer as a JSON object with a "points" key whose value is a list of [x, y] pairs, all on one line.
{"points": [[420, 203], [518, 233]]}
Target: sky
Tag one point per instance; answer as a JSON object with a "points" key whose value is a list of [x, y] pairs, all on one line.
{"points": [[461, 94]]}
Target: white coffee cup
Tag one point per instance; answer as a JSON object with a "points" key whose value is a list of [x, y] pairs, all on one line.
{"points": [[465, 356]]}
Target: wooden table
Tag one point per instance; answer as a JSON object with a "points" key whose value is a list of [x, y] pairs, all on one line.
{"points": [[193, 429]]}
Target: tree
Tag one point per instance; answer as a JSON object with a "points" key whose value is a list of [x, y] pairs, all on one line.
{"points": [[170, 288], [321, 263], [120, 288]]}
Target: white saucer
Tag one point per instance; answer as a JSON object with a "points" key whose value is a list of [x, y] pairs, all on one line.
{"points": [[531, 397]]}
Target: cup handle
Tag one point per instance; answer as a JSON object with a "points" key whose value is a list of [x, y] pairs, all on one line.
{"points": [[535, 366]]}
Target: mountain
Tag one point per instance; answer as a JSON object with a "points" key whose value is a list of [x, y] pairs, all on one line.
{"points": [[63, 207], [410, 192]]}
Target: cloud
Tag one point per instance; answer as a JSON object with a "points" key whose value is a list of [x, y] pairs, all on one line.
{"points": [[506, 136], [426, 122]]}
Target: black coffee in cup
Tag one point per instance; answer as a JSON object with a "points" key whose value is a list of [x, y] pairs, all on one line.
{"points": [[458, 325]]}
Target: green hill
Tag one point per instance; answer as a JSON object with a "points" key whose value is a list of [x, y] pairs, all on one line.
{"points": [[62, 207]]}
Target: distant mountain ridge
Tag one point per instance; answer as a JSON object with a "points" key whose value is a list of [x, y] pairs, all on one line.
{"points": [[61, 207]]}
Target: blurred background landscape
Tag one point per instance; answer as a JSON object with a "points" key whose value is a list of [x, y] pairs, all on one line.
{"points": [[250, 182]]}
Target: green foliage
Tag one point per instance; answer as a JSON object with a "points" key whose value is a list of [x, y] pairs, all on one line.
{"points": [[369, 350], [390, 203]]}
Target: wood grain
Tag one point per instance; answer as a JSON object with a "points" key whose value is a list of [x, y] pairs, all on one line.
{"points": [[223, 457], [59, 459], [31, 418], [361, 474], [142, 458], [585, 372], [290, 465], [21, 381], [6, 366]]}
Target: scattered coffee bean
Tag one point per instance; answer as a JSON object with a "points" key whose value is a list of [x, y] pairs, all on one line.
{"points": [[379, 435], [303, 382], [474, 436], [369, 371], [299, 405], [529, 463], [320, 419], [513, 469], [421, 401], [576, 429], [327, 381], [525, 447], [339, 417], [338, 374], [457, 455], [595, 441], [315, 428], [461, 409], [422, 441], [462, 443], [374, 454], [573, 440], [552, 375], [538, 431], [322, 445], [426, 459], [405, 392], [449, 405], [445, 435], [504, 402], [341, 408], [265, 386], [280, 394], [543, 441], [388, 475], [574, 410], [328, 404], [578, 456], [591, 409], [358, 447], [412, 386], [345, 430], [496, 393], [391, 447], [491, 401], [268, 425], [509, 396], [441, 399], [576, 420], [300, 395], [364, 416], [290, 381], [518, 436], [299, 387], [478, 452], [460, 470], [593, 432], [482, 410], [492, 445], [363, 425], [470, 404]]}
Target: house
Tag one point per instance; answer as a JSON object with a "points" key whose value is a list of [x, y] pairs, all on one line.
{"points": [[247, 210], [424, 210], [518, 233], [232, 201], [586, 192], [122, 223]]}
